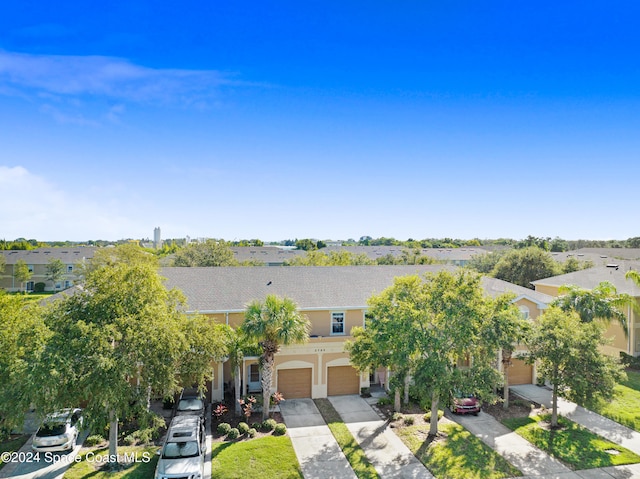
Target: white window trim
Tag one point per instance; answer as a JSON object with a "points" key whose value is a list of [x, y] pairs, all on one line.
{"points": [[344, 325], [524, 312]]}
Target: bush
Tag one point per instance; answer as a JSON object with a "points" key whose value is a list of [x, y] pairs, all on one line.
{"points": [[365, 392], [385, 401], [233, 433], [129, 440], [427, 416], [629, 361], [408, 421], [269, 424], [256, 425], [94, 440], [38, 288], [396, 416], [243, 427], [224, 428], [252, 432], [280, 429]]}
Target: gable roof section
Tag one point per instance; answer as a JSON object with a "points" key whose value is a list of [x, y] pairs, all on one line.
{"points": [[230, 289], [592, 277], [495, 287], [44, 255]]}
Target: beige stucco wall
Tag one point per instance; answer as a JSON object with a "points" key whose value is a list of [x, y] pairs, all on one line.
{"points": [[550, 290]]}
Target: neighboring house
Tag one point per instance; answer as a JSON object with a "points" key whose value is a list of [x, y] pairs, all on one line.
{"points": [[335, 300], [614, 272], [37, 260]]}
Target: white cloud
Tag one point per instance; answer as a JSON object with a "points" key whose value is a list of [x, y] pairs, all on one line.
{"points": [[33, 207]]}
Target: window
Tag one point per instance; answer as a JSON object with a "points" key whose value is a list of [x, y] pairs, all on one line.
{"points": [[69, 268], [30, 266], [524, 312], [29, 286], [337, 323], [254, 373], [67, 284]]}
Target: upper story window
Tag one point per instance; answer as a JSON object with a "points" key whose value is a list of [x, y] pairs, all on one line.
{"points": [[30, 266], [524, 312], [337, 323], [69, 268]]}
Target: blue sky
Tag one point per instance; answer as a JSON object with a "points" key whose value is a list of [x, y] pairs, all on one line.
{"points": [[327, 119]]}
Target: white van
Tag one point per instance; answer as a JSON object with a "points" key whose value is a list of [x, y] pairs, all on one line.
{"points": [[182, 454]]}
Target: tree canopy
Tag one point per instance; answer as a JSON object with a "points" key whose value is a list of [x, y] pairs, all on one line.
{"points": [[208, 253], [55, 270], [522, 266]]}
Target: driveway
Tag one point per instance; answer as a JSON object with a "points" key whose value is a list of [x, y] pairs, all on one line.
{"points": [[318, 453]]}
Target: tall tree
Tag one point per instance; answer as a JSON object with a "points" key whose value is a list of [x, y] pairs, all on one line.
{"points": [[273, 323], [55, 271], [237, 347], [112, 342], [522, 266], [21, 272], [209, 253], [567, 352], [3, 263], [427, 327], [602, 303], [22, 335]]}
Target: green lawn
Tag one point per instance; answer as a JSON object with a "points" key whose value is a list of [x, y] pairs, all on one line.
{"points": [[268, 457], [350, 447], [572, 444], [12, 445], [625, 407], [460, 455], [143, 467]]}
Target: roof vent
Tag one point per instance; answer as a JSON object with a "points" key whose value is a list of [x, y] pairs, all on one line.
{"points": [[613, 265]]}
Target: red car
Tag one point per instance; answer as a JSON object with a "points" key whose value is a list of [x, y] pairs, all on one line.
{"points": [[463, 403]]}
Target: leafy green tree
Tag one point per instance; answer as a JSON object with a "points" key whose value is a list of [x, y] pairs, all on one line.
{"points": [[426, 328], [55, 271], [333, 258], [209, 253], [306, 244], [633, 242], [572, 264], [485, 263], [522, 266], [238, 346], [118, 338], [3, 263], [273, 323], [567, 352], [602, 303], [22, 334], [21, 272]]}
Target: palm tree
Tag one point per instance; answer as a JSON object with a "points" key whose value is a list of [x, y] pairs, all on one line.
{"points": [[273, 323], [602, 303], [236, 346]]}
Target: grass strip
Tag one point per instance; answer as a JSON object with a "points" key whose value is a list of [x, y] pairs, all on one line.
{"points": [[624, 408], [456, 454], [12, 445], [573, 444], [268, 457], [350, 447], [141, 463]]}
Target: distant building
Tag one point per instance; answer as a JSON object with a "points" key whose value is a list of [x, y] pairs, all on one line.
{"points": [[157, 238]]}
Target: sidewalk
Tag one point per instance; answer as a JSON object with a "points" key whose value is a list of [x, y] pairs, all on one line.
{"points": [[388, 454], [318, 452], [596, 423]]}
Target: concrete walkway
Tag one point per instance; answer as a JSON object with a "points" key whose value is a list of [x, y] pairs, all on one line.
{"points": [[596, 423], [385, 450], [514, 448], [318, 452]]}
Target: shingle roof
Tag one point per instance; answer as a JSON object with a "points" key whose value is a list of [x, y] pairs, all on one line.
{"points": [[232, 288], [590, 278], [311, 287], [43, 255]]}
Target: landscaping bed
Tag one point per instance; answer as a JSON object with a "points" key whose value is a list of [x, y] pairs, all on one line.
{"points": [[12, 444]]}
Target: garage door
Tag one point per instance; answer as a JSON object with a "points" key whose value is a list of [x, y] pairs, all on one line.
{"points": [[295, 383], [342, 380], [520, 372]]}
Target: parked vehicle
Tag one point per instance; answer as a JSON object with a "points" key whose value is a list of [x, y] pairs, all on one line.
{"points": [[465, 403], [59, 431], [191, 404], [182, 455]]}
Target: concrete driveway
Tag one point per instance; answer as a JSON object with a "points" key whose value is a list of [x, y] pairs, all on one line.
{"points": [[318, 452]]}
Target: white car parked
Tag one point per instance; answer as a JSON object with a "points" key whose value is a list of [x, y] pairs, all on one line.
{"points": [[59, 431]]}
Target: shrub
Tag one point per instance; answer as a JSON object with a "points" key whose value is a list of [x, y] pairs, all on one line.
{"points": [[385, 401], [280, 429], [365, 392], [220, 410], [145, 436], [256, 425], [233, 433], [396, 416], [427, 416], [224, 428], [129, 440], [243, 427], [252, 432], [269, 424], [38, 288], [94, 440], [629, 361], [408, 421]]}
